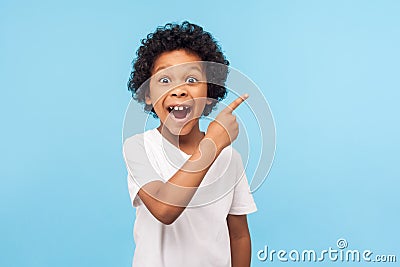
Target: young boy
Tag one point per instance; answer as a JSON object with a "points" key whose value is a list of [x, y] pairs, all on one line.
{"points": [[189, 188]]}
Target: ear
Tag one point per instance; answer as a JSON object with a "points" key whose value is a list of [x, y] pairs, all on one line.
{"points": [[209, 101], [147, 99]]}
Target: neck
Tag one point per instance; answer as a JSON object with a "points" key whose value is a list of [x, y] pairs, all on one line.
{"points": [[186, 143]]}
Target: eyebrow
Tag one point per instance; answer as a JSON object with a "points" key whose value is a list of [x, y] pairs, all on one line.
{"points": [[167, 66]]}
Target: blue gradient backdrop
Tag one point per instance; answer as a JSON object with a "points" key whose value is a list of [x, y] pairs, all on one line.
{"points": [[329, 69]]}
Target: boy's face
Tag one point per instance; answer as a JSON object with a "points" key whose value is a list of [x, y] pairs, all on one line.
{"points": [[178, 90]]}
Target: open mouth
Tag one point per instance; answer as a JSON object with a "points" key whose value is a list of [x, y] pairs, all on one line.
{"points": [[179, 112]]}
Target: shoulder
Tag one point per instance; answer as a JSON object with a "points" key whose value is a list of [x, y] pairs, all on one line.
{"points": [[133, 142], [133, 139], [138, 142], [149, 135]]}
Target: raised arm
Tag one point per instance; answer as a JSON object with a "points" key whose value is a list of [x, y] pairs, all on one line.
{"points": [[166, 201]]}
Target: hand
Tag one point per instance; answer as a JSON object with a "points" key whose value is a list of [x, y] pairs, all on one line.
{"points": [[225, 129]]}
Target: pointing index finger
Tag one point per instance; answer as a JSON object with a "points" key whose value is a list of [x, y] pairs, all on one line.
{"points": [[232, 106]]}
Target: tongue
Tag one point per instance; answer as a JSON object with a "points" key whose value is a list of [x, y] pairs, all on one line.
{"points": [[180, 114]]}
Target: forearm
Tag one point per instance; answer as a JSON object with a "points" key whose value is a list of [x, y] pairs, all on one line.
{"points": [[241, 251]]}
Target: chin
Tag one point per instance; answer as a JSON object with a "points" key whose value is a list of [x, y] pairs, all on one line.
{"points": [[178, 130]]}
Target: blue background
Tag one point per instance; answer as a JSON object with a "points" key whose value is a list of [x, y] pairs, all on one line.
{"points": [[329, 69]]}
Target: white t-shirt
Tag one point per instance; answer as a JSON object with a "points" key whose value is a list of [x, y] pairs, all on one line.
{"points": [[199, 236]]}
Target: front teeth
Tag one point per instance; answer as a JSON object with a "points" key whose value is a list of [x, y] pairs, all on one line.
{"points": [[178, 108]]}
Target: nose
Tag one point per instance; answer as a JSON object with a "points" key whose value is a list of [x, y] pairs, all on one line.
{"points": [[179, 92]]}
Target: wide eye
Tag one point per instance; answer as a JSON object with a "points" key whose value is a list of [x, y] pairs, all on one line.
{"points": [[164, 80], [191, 80]]}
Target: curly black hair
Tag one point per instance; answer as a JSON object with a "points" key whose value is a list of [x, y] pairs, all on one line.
{"points": [[186, 36]]}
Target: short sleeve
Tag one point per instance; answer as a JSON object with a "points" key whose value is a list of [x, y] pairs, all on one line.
{"points": [[140, 164], [133, 189], [243, 202]]}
